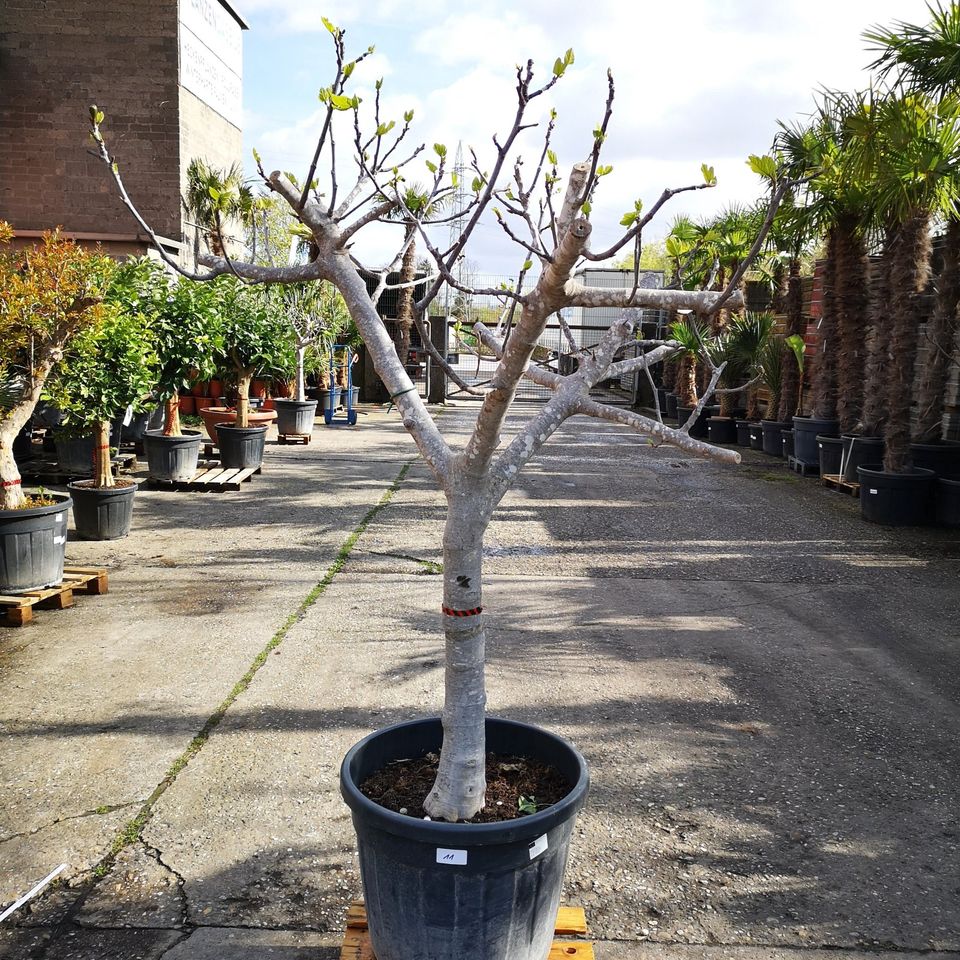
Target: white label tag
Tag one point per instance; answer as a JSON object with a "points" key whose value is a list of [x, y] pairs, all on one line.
{"points": [[59, 540], [128, 416], [61, 517], [538, 846], [452, 858], [873, 491]]}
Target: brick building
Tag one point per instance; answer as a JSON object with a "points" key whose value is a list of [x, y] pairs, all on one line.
{"points": [[167, 74]]}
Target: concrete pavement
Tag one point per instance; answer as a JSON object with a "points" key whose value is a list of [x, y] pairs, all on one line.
{"points": [[765, 686]]}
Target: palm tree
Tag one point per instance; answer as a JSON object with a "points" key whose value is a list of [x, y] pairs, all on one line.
{"points": [[693, 337], [926, 58], [215, 197], [912, 152]]}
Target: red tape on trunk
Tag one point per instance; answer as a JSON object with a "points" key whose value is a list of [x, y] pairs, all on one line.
{"points": [[10, 483], [462, 613]]}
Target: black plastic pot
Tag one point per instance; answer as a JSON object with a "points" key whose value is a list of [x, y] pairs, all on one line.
{"points": [[896, 499], [830, 451], [756, 436], [859, 452], [75, 455], [722, 430], [32, 544], [743, 431], [23, 445], [942, 457], [805, 433], [295, 416], [172, 458], [672, 404], [241, 448], [662, 400], [948, 501], [133, 431], [786, 439], [437, 891], [772, 439], [700, 429], [102, 513]]}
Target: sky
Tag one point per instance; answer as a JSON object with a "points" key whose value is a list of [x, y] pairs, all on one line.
{"points": [[696, 81]]}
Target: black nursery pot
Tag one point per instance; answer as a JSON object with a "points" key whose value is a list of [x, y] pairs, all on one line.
{"points": [[672, 403], [805, 433], [830, 450], [786, 438], [859, 452], [472, 891], [241, 448], [102, 513], [756, 436], [744, 428], [772, 439], [172, 458], [32, 546], [896, 499], [700, 428], [722, 430], [948, 501], [942, 457]]}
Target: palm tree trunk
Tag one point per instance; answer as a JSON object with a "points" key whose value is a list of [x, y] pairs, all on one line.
{"points": [[825, 380], [687, 381], [851, 304], [941, 333], [793, 307], [910, 271], [878, 343]]}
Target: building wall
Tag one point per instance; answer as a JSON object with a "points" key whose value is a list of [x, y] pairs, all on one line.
{"points": [[57, 58]]}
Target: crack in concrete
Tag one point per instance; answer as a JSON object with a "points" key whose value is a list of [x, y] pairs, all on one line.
{"points": [[100, 811], [155, 854]]}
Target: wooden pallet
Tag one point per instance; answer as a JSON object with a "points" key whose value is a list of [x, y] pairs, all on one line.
{"points": [[303, 438], [838, 483], [212, 477], [571, 922], [18, 608]]}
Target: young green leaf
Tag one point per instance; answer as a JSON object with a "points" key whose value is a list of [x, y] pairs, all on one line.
{"points": [[552, 157], [764, 166], [586, 208], [408, 116], [709, 176], [439, 149], [431, 166], [335, 31], [558, 67], [628, 219], [527, 264]]}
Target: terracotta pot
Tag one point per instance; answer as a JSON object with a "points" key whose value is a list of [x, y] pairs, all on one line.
{"points": [[214, 415], [202, 403], [199, 389], [258, 388], [215, 389], [187, 404], [268, 404]]}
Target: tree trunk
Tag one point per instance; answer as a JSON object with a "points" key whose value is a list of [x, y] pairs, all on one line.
{"points": [[12, 495], [171, 418], [793, 307], [408, 272], [910, 271], [753, 404], [941, 333], [460, 787], [102, 469], [878, 343], [686, 388], [244, 377], [301, 393], [728, 402], [851, 302], [825, 380]]}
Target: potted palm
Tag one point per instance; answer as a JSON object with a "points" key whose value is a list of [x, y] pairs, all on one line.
{"points": [[186, 339], [108, 369], [50, 294], [255, 339], [773, 362]]}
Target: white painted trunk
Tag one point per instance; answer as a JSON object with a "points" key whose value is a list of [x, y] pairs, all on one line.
{"points": [[301, 393], [12, 494], [458, 793]]}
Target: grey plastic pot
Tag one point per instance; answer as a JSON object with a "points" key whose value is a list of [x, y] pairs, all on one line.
{"points": [[32, 545], [241, 448], [172, 458], [295, 416], [329, 399], [102, 513], [437, 890]]}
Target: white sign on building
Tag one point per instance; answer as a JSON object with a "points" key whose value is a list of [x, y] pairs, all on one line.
{"points": [[211, 56]]}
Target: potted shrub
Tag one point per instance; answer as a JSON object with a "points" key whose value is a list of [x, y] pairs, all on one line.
{"points": [[108, 369], [444, 886], [50, 293], [316, 314], [186, 339], [255, 339]]}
